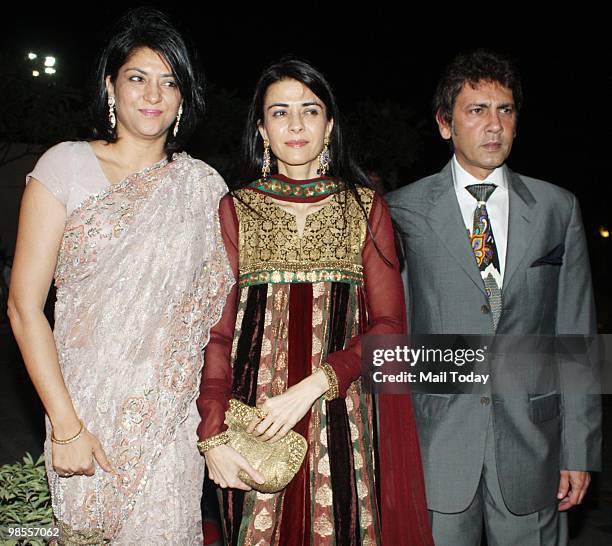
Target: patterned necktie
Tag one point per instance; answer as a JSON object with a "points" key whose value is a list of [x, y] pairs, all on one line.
{"points": [[485, 251]]}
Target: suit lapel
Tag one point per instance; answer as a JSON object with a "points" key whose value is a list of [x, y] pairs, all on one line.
{"points": [[446, 221], [521, 219]]}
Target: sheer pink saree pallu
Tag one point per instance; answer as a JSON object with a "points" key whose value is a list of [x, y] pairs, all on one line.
{"points": [[142, 276]]}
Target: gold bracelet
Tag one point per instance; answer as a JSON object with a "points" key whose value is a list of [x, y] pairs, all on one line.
{"points": [[213, 441], [332, 379], [69, 440]]}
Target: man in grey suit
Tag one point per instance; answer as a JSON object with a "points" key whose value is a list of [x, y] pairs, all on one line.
{"points": [[489, 251]]}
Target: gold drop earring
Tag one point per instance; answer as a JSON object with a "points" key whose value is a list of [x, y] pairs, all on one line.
{"points": [[324, 158], [265, 164], [112, 119], [178, 120]]}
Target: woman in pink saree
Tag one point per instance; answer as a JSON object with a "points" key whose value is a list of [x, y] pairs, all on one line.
{"points": [[130, 231]]}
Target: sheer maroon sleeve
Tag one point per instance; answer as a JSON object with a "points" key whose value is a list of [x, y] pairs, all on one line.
{"points": [[216, 384], [384, 295]]}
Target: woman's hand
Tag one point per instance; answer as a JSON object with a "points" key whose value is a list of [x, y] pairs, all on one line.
{"points": [[224, 463], [284, 411], [77, 458]]}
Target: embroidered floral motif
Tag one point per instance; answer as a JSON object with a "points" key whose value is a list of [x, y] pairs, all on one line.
{"points": [[323, 526], [271, 251], [281, 188], [141, 278], [263, 521], [323, 496]]}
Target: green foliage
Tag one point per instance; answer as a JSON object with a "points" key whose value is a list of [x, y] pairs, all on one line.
{"points": [[24, 496]]}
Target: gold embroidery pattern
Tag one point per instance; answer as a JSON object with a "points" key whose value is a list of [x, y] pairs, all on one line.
{"points": [[265, 510], [332, 393], [319, 458], [312, 189], [303, 275], [263, 521], [361, 437], [271, 251], [72, 537], [323, 526], [272, 381], [218, 440], [323, 495]]}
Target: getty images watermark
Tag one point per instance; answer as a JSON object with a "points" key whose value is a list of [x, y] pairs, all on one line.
{"points": [[504, 365], [430, 358]]}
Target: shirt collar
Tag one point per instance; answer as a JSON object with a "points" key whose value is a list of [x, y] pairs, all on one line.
{"points": [[462, 178]]}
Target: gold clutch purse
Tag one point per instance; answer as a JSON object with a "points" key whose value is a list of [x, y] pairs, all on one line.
{"points": [[278, 462]]}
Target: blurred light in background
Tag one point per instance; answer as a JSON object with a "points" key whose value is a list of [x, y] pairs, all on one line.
{"points": [[39, 66]]}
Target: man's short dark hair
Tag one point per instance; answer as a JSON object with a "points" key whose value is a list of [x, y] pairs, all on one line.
{"points": [[472, 68]]}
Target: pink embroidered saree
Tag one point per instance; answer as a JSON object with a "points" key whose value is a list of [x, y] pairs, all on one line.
{"points": [[141, 277]]}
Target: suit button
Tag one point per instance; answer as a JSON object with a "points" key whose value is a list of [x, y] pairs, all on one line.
{"points": [[485, 400], [485, 309]]}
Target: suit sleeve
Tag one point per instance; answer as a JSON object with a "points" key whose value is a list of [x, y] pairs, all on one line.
{"points": [[216, 383], [581, 403], [384, 294]]}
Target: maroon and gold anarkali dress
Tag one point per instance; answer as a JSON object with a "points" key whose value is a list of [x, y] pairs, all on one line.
{"points": [[302, 300]]}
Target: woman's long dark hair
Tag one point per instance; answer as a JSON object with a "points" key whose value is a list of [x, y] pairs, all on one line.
{"points": [[148, 27], [343, 167]]}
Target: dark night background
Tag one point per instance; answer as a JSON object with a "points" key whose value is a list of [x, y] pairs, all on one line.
{"points": [[383, 66]]}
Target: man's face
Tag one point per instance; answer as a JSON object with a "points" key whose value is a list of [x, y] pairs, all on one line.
{"points": [[483, 127]]}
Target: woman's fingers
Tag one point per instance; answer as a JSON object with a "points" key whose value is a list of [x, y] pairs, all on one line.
{"points": [[229, 479], [101, 458], [224, 464], [89, 470], [254, 422], [255, 475], [264, 425], [78, 458], [272, 430], [280, 434]]}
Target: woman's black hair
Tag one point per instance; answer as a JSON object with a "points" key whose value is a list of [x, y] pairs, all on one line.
{"points": [[343, 167], [150, 28]]}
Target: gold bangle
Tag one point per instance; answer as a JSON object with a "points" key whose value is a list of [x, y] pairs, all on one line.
{"points": [[69, 440], [213, 441], [332, 379]]}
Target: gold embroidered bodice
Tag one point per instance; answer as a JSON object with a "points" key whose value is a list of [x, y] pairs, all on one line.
{"points": [[272, 251]]}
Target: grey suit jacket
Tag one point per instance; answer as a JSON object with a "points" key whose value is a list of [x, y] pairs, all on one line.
{"points": [[547, 291]]}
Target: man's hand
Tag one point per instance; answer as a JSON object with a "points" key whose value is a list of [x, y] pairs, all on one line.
{"points": [[573, 486]]}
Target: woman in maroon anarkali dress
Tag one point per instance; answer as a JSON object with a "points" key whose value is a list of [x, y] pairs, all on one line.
{"points": [[316, 268]]}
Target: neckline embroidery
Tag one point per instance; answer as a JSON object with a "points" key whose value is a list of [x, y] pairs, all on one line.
{"points": [[283, 188]]}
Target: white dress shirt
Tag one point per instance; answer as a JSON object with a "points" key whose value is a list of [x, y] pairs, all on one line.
{"points": [[497, 206]]}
